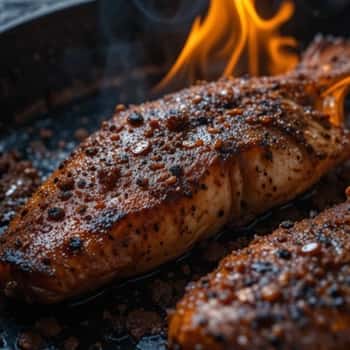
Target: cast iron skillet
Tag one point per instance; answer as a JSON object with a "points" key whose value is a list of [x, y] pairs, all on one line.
{"points": [[65, 69]]}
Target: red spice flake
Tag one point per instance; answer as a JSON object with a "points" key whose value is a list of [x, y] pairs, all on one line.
{"points": [[115, 137], [163, 177], [197, 99], [156, 166], [212, 130], [277, 330], [118, 128], [100, 205], [48, 327], [192, 144], [271, 292], [266, 119], [284, 278], [218, 144], [141, 148], [120, 108], [29, 341], [312, 248], [235, 111], [171, 180], [156, 157], [221, 119], [148, 132], [199, 142], [251, 120], [188, 144], [176, 123], [81, 209], [240, 267], [140, 322], [153, 123], [108, 177]]}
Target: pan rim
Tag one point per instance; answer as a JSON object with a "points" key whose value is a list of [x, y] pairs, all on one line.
{"points": [[43, 12]]}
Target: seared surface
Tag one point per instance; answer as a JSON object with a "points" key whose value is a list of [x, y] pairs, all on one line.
{"points": [[288, 290], [158, 177]]}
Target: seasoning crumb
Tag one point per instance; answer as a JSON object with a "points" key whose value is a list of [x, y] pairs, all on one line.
{"points": [[81, 134], [312, 248], [29, 341], [140, 322], [120, 107], [71, 343], [271, 292], [48, 327], [171, 180]]}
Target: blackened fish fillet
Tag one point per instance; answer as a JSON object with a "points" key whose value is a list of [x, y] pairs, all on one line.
{"points": [[289, 290], [159, 177]]}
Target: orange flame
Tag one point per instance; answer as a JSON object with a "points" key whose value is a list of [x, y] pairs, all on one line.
{"points": [[231, 30], [333, 100]]}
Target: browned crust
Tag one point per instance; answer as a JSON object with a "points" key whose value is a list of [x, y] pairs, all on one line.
{"points": [[326, 60], [288, 290]]}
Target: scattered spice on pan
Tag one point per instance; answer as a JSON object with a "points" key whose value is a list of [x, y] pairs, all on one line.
{"points": [[18, 180]]}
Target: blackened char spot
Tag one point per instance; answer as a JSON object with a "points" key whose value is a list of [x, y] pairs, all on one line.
{"points": [[176, 170], [105, 221], [135, 119], [55, 214], [177, 122], [263, 267], [75, 244], [18, 259], [283, 254]]}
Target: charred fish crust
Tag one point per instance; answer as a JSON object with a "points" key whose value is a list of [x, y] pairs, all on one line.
{"points": [[102, 223], [20, 262], [283, 284]]}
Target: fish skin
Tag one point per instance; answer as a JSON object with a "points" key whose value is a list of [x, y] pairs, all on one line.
{"points": [[159, 177], [288, 289]]}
